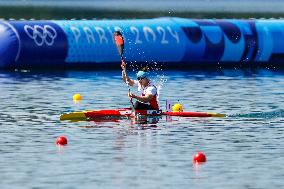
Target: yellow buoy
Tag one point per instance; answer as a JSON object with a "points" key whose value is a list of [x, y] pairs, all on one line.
{"points": [[177, 108], [77, 97]]}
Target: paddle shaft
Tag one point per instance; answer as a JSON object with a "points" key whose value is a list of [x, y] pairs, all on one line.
{"points": [[119, 41]]}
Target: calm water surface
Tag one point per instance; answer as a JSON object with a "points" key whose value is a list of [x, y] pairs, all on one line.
{"points": [[244, 150]]}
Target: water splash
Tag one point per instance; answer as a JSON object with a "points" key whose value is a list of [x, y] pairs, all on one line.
{"points": [[158, 77]]}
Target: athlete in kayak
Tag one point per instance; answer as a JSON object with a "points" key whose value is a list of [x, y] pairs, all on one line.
{"points": [[148, 98]]}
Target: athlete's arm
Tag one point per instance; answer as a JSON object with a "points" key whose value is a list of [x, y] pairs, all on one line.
{"points": [[145, 99], [125, 77], [149, 94]]}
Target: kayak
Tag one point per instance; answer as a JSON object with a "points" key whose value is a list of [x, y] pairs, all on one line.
{"points": [[127, 112]]}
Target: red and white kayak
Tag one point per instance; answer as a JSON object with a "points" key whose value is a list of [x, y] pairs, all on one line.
{"points": [[127, 112]]}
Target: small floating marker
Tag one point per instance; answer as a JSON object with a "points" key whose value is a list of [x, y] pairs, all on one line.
{"points": [[177, 108], [199, 157], [77, 97], [61, 140]]}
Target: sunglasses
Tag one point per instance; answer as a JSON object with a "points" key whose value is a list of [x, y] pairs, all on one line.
{"points": [[140, 78]]}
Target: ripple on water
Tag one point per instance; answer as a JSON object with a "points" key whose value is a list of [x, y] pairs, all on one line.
{"points": [[242, 147]]}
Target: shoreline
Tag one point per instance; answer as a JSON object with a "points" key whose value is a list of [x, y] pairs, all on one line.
{"points": [[41, 12]]}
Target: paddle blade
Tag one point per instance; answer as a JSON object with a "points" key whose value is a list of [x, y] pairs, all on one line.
{"points": [[119, 42]]}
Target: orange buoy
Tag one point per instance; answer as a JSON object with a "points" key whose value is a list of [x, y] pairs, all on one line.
{"points": [[199, 157], [61, 140]]}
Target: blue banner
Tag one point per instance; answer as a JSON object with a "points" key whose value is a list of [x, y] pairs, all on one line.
{"points": [[41, 41], [170, 40]]}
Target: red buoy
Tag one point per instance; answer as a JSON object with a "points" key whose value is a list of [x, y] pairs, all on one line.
{"points": [[61, 140], [199, 157]]}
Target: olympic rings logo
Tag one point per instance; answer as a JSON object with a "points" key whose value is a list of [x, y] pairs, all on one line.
{"points": [[41, 34]]}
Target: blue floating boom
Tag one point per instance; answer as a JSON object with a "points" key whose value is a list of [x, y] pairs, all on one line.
{"points": [[167, 40]]}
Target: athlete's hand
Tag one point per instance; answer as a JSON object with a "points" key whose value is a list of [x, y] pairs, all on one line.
{"points": [[123, 65], [131, 95]]}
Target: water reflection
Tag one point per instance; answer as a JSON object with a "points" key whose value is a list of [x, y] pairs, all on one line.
{"points": [[139, 121]]}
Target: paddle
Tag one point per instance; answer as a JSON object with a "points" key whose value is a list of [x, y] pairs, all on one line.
{"points": [[119, 42]]}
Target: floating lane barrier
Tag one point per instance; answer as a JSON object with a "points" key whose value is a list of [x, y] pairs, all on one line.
{"points": [[175, 41]]}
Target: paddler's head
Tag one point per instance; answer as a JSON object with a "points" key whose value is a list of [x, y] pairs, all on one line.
{"points": [[143, 77]]}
